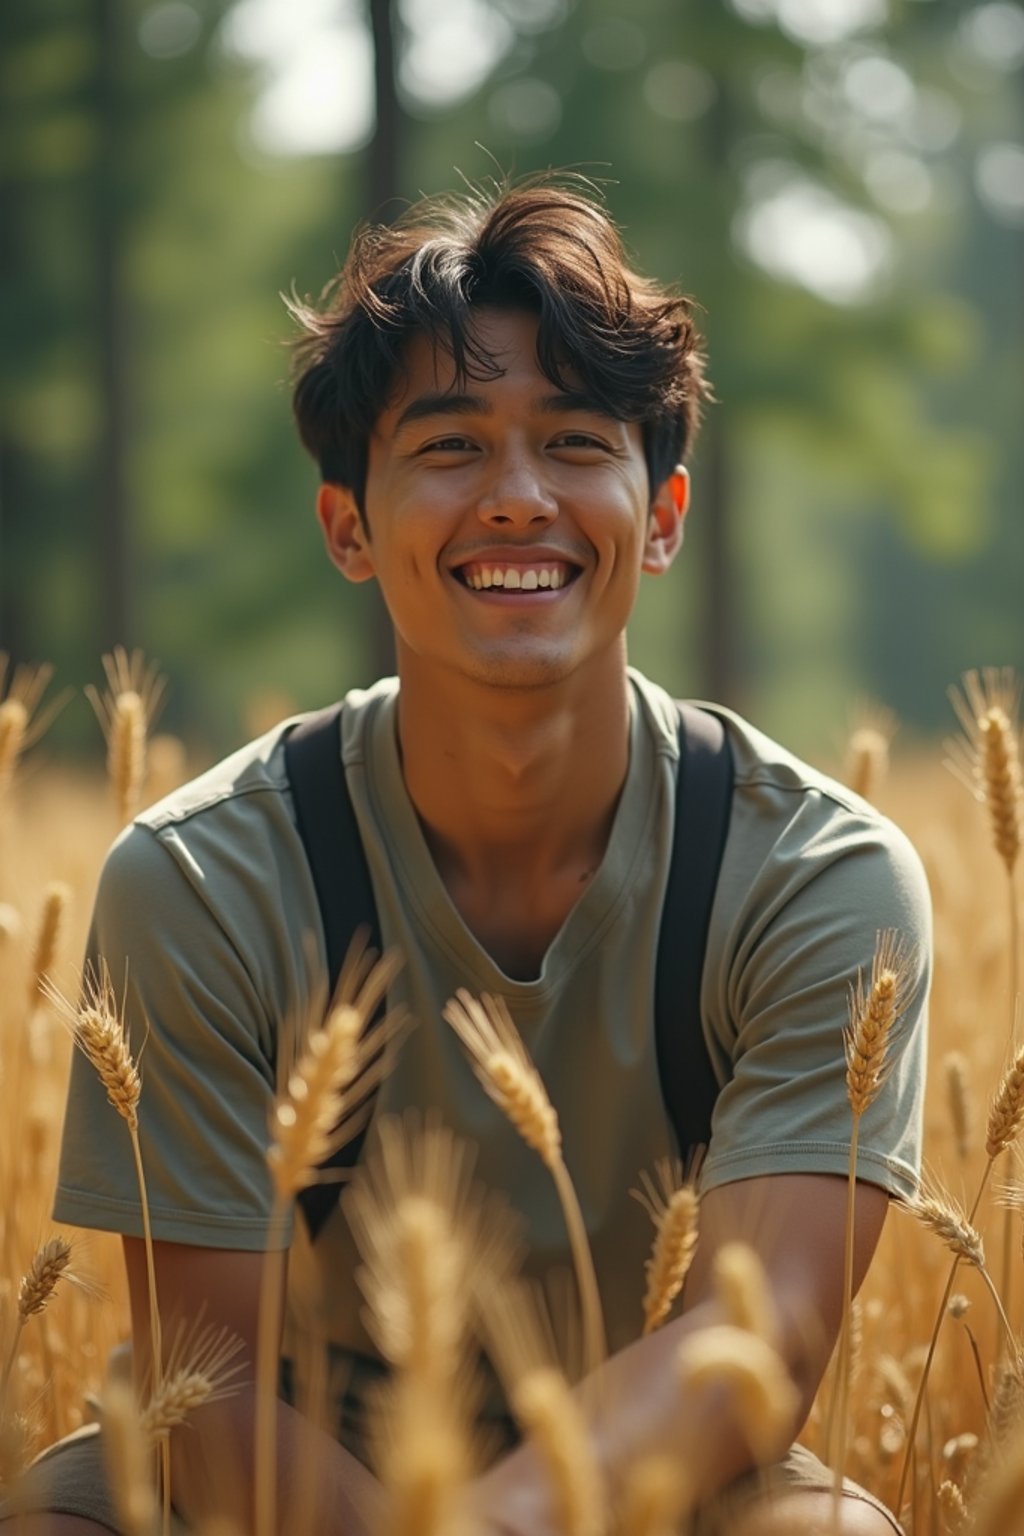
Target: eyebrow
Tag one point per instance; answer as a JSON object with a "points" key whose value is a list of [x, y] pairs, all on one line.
{"points": [[445, 403]]}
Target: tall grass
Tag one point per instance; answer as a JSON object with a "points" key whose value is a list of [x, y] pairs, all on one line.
{"points": [[933, 1417]]}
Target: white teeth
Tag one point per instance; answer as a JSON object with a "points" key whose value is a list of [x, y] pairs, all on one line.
{"points": [[513, 580]]}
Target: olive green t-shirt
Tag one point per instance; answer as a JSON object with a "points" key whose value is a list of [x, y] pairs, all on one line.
{"points": [[206, 906]]}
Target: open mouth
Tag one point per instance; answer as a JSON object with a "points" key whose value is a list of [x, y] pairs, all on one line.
{"points": [[492, 576]]}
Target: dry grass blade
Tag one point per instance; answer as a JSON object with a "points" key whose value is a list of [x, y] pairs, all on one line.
{"points": [[875, 1011], [674, 1208], [547, 1412], [763, 1394], [126, 710]]}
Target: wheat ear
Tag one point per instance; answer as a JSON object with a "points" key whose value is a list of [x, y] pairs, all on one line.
{"points": [[674, 1208], [201, 1368], [97, 1025], [126, 710], [741, 1287], [875, 1011], [503, 1067], [34, 1293], [655, 1497], [547, 1412], [126, 1455], [764, 1395], [960, 1101], [20, 724], [325, 1100], [44, 953], [867, 751]]}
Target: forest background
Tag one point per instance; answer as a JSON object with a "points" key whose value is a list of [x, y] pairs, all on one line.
{"points": [[840, 183]]}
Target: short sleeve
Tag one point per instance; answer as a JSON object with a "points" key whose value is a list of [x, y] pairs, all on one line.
{"points": [[797, 918], [207, 964]]}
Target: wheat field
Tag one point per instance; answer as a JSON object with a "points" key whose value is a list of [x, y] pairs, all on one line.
{"points": [[61, 1312]]}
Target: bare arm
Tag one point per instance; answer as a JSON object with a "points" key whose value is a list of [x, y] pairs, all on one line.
{"points": [[212, 1454], [796, 1224]]}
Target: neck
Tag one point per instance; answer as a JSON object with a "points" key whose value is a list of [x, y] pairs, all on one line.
{"points": [[519, 784]]}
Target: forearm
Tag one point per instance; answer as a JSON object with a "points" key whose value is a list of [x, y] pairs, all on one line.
{"points": [[636, 1406], [320, 1485]]}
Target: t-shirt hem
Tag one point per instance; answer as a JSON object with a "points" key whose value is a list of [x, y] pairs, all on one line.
{"points": [[892, 1174], [203, 1229]]}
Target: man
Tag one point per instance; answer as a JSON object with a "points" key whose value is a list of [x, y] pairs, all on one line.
{"points": [[500, 410]]}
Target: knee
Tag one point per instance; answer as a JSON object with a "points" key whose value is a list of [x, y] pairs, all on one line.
{"points": [[807, 1513]]}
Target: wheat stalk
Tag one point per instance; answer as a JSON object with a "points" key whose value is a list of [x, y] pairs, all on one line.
{"points": [[875, 1011], [674, 1208], [960, 1101], [764, 1396], [503, 1067], [34, 1293], [98, 1027], [20, 725], [741, 1287], [126, 710], [655, 1497], [126, 1456], [547, 1412], [867, 750], [325, 1101]]}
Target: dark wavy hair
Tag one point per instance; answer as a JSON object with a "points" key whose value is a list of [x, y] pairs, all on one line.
{"points": [[542, 246]]}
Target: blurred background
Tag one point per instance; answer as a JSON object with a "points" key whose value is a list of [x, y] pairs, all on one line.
{"points": [[840, 183]]}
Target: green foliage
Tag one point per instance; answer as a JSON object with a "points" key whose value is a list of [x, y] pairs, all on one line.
{"points": [[870, 435]]}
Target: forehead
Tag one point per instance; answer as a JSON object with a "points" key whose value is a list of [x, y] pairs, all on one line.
{"points": [[506, 338]]}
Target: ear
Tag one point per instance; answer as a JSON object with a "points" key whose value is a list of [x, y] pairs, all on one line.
{"points": [[665, 524], [345, 536]]}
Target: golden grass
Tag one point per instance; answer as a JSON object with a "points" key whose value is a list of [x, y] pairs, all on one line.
{"points": [[956, 1454]]}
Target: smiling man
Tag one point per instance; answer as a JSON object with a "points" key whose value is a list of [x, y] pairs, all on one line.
{"points": [[500, 409]]}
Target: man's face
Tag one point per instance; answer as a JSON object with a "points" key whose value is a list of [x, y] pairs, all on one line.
{"points": [[508, 522]]}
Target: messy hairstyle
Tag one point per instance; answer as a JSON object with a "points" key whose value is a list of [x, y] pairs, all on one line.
{"points": [[540, 246]]}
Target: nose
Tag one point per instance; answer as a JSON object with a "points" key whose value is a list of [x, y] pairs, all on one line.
{"points": [[516, 495]]}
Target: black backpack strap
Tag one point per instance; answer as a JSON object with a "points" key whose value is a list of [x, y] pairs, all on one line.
{"points": [[341, 876], [703, 803]]}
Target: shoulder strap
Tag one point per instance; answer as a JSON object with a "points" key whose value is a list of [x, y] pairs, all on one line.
{"points": [[341, 876], [703, 803]]}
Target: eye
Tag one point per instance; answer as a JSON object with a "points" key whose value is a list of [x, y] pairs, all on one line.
{"points": [[580, 440], [448, 445]]}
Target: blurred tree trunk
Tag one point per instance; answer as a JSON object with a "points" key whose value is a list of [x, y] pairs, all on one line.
{"points": [[112, 517], [383, 179]]}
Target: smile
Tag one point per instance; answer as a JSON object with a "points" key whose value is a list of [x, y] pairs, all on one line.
{"points": [[546, 575]]}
